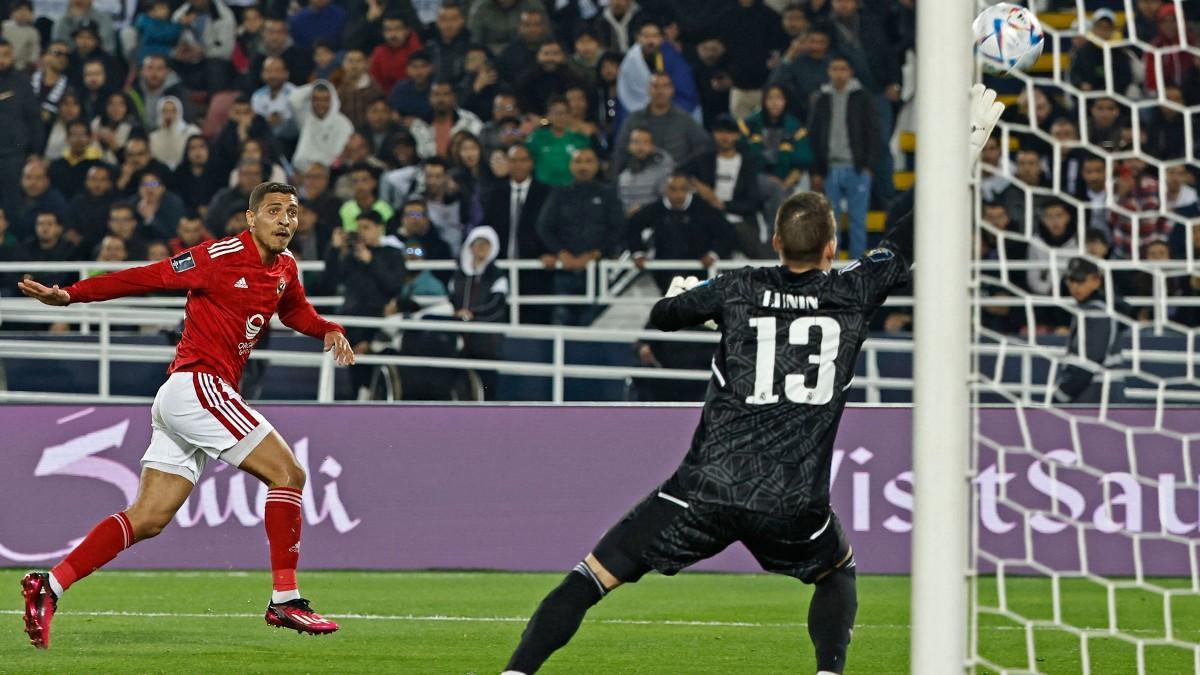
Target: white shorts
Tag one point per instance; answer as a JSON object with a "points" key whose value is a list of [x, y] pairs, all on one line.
{"points": [[196, 416]]}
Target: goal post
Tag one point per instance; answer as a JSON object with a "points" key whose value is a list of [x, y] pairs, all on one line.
{"points": [[942, 338]]}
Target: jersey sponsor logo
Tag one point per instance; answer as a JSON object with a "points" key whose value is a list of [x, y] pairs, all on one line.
{"points": [[254, 325], [241, 283], [183, 262]]}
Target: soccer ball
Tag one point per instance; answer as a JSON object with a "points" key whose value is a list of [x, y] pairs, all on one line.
{"points": [[1007, 38]]}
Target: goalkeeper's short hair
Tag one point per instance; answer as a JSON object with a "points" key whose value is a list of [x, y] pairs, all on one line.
{"points": [[805, 225]]}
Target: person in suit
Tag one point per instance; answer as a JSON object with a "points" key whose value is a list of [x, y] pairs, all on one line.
{"points": [[520, 199]]}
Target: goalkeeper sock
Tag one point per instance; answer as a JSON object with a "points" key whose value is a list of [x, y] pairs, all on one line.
{"points": [[108, 538], [556, 619], [831, 618], [282, 519]]}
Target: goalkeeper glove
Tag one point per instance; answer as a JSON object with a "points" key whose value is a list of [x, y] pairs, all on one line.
{"points": [[679, 285], [985, 113]]}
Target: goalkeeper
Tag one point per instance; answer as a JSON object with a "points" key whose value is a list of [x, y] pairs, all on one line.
{"points": [[759, 465]]}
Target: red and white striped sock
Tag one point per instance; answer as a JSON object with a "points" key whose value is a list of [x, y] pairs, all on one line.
{"points": [[108, 538], [283, 520]]}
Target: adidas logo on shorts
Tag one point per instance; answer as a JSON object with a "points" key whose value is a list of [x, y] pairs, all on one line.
{"points": [[241, 283]]}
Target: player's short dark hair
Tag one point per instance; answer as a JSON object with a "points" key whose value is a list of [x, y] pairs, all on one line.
{"points": [[805, 226], [260, 192]]}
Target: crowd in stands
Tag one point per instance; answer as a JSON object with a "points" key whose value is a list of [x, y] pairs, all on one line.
{"points": [[564, 131]]}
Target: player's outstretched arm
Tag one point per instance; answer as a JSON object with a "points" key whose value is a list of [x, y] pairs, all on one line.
{"points": [[689, 302], [185, 271], [45, 294]]}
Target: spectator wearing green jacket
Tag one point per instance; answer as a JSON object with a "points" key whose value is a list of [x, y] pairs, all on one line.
{"points": [[778, 141], [553, 145]]}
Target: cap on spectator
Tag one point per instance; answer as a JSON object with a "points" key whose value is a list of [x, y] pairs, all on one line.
{"points": [[1079, 269], [1104, 14], [725, 122]]}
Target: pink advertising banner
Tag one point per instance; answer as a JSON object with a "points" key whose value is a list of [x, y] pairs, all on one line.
{"points": [[533, 488]]}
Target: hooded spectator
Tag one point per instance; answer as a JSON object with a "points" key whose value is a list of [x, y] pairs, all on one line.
{"points": [[324, 130], [169, 141]]}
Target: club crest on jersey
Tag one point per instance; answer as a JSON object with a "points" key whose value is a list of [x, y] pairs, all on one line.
{"points": [[183, 262], [282, 284]]}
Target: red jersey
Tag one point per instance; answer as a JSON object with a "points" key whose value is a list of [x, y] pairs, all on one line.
{"points": [[231, 297]]}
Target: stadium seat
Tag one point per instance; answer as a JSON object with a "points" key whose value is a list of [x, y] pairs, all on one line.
{"points": [[1063, 20]]}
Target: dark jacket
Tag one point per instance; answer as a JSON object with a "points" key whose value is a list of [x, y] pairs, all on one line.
{"points": [[68, 177], [224, 204], [10, 251], [583, 217], [21, 132], [367, 287], [88, 216], [687, 234], [750, 35], [1101, 345], [483, 290], [497, 212], [861, 125], [61, 252], [196, 191], [449, 57], [747, 198]]}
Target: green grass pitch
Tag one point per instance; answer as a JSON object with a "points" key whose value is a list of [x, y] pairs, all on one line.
{"points": [[450, 622]]}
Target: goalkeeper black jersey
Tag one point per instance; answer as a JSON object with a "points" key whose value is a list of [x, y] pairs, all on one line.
{"points": [[789, 344]]}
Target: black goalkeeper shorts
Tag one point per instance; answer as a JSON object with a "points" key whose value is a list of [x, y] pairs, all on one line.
{"points": [[667, 534]]}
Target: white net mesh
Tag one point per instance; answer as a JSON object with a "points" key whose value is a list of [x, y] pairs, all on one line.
{"points": [[1086, 501]]}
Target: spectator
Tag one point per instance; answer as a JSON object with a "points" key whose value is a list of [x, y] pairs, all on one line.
{"points": [[277, 42], [1135, 192], [11, 250], [520, 56], [365, 183], [96, 89], [416, 230], [417, 284], [1030, 175], [1004, 238], [1099, 341], [271, 100], [479, 293], [469, 176], [196, 180], [652, 56], [47, 245], [69, 111], [389, 61], [111, 249], [22, 35], [614, 22], [86, 217], [673, 129], [605, 95], [1056, 232], [37, 196], [357, 151], [449, 42], [443, 204], [115, 123], [1093, 191], [158, 208], [123, 225], [504, 107], [307, 243], [381, 125], [244, 124], [86, 47], [678, 227], [190, 232], [585, 57], [157, 32], [513, 208], [480, 81], [645, 175], [69, 171], [845, 147], [1145, 21], [550, 76], [249, 38], [398, 184], [805, 73], [433, 137], [410, 97], [357, 90], [137, 159], [316, 195], [778, 143], [81, 13], [324, 130], [1087, 61], [50, 81], [369, 275], [155, 81], [728, 181], [553, 145], [230, 201], [581, 223], [1103, 124], [710, 63], [1178, 65], [1182, 200], [22, 132], [1155, 252], [753, 33], [321, 20], [169, 141], [213, 29], [494, 23], [1166, 135], [583, 119]]}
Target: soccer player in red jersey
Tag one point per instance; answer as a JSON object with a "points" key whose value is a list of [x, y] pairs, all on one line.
{"points": [[234, 286]]}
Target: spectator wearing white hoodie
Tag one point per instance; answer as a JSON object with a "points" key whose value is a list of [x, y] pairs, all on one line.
{"points": [[169, 141], [479, 292], [324, 130]]}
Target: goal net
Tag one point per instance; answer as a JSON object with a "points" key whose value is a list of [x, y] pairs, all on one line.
{"points": [[1086, 415]]}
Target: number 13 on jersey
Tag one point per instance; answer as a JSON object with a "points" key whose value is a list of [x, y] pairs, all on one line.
{"points": [[794, 386]]}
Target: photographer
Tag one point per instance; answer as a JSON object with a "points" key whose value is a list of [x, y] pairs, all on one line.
{"points": [[369, 276]]}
